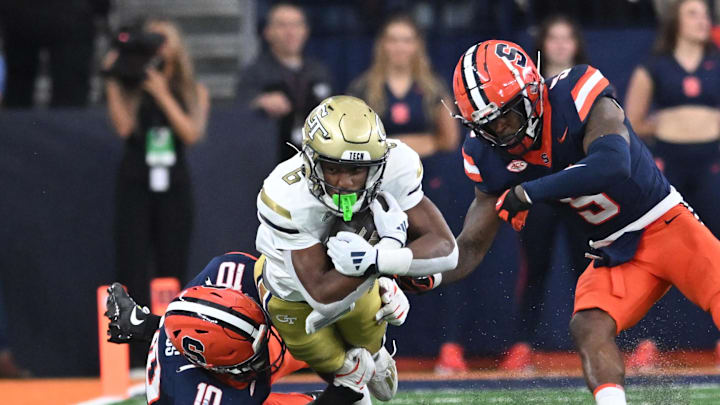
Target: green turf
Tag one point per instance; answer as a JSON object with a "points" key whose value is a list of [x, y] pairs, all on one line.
{"points": [[670, 395]]}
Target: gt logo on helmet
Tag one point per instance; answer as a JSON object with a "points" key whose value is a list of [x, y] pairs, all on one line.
{"points": [[315, 125]]}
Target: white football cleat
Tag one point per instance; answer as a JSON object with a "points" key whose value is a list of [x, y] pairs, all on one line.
{"points": [[384, 384]]}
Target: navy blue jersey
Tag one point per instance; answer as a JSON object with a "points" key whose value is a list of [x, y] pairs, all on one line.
{"points": [[674, 86], [623, 208], [172, 380]]}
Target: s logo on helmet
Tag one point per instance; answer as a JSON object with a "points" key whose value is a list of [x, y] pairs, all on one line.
{"points": [[511, 54], [194, 349], [516, 166]]}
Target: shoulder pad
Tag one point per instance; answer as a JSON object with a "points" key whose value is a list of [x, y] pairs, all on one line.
{"points": [[403, 175], [278, 198], [579, 86]]}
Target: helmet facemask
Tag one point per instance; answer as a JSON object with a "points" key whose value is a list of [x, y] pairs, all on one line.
{"points": [[259, 363], [343, 202], [521, 109]]}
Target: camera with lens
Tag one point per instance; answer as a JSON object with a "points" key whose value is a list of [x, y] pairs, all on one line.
{"points": [[137, 50]]}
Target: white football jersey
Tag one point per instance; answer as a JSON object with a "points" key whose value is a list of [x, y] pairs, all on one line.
{"points": [[291, 218]]}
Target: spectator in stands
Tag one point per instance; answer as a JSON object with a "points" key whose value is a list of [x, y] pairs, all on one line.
{"points": [[401, 86], [158, 118], [561, 46], [672, 102], [282, 83], [66, 30], [681, 80]]}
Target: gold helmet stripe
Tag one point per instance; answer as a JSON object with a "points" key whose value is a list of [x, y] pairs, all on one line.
{"points": [[273, 205]]}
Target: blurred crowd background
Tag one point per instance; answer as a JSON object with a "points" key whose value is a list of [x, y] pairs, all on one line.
{"points": [[107, 175]]}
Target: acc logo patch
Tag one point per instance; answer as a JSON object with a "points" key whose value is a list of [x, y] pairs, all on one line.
{"points": [[516, 166]]}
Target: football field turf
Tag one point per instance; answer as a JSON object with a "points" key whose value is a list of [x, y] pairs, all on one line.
{"points": [[700, 394]]}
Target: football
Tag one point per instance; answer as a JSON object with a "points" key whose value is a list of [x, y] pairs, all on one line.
{"points": [[361, 223]]}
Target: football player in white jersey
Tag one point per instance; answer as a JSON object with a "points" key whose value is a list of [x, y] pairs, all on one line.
{"points": [[323, 299]]}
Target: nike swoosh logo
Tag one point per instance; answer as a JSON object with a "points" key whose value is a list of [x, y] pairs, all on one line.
{"points": [[562, 138], [667, 221], [133, 318], [575, 166], [361, 378]]}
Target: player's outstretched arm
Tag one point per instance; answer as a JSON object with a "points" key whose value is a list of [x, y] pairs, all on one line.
{"points": [[606, 144], [479, 230]]}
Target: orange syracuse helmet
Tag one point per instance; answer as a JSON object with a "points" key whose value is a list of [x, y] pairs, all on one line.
{"points": [[221, 330], [497, 79]]}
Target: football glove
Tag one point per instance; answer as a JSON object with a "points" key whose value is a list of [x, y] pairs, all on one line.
{"points": [[391, 223], [357, 369], [129, 322], [395, 304], [352, 255], [511, 209], [419, 285]]}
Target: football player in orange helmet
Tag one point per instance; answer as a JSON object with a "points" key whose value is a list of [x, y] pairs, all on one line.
{"points": [[567, 142], [230, 353], [216, 342]]}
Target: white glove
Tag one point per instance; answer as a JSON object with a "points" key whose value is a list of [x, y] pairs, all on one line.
{"points": [[392, 223], [351, 254], [395, 304], [357, 370]]}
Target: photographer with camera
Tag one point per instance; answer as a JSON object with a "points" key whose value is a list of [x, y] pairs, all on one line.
{"points": [[159, 109]]}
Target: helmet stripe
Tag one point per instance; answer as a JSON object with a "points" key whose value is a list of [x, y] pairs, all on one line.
{"points": [[465, 80], [471, 84], [217, 314]]}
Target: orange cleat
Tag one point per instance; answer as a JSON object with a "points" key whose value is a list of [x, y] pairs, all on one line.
{"points": [[518, 358], [645, 355], [451, 359]]}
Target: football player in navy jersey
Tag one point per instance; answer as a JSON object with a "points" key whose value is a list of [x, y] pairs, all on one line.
{"points": [[567, 142], [216, 345]]}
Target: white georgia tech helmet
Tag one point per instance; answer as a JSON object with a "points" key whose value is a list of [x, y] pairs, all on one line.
{"points": [[344, 130]]}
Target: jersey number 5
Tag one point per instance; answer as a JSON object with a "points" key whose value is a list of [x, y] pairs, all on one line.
{"points": [[595, 209]]}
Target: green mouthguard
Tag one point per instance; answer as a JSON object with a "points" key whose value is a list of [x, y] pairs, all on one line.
{"points": [[345, 202]]}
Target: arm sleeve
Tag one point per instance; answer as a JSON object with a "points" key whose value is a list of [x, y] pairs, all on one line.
{"points": [[607, 163]]}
